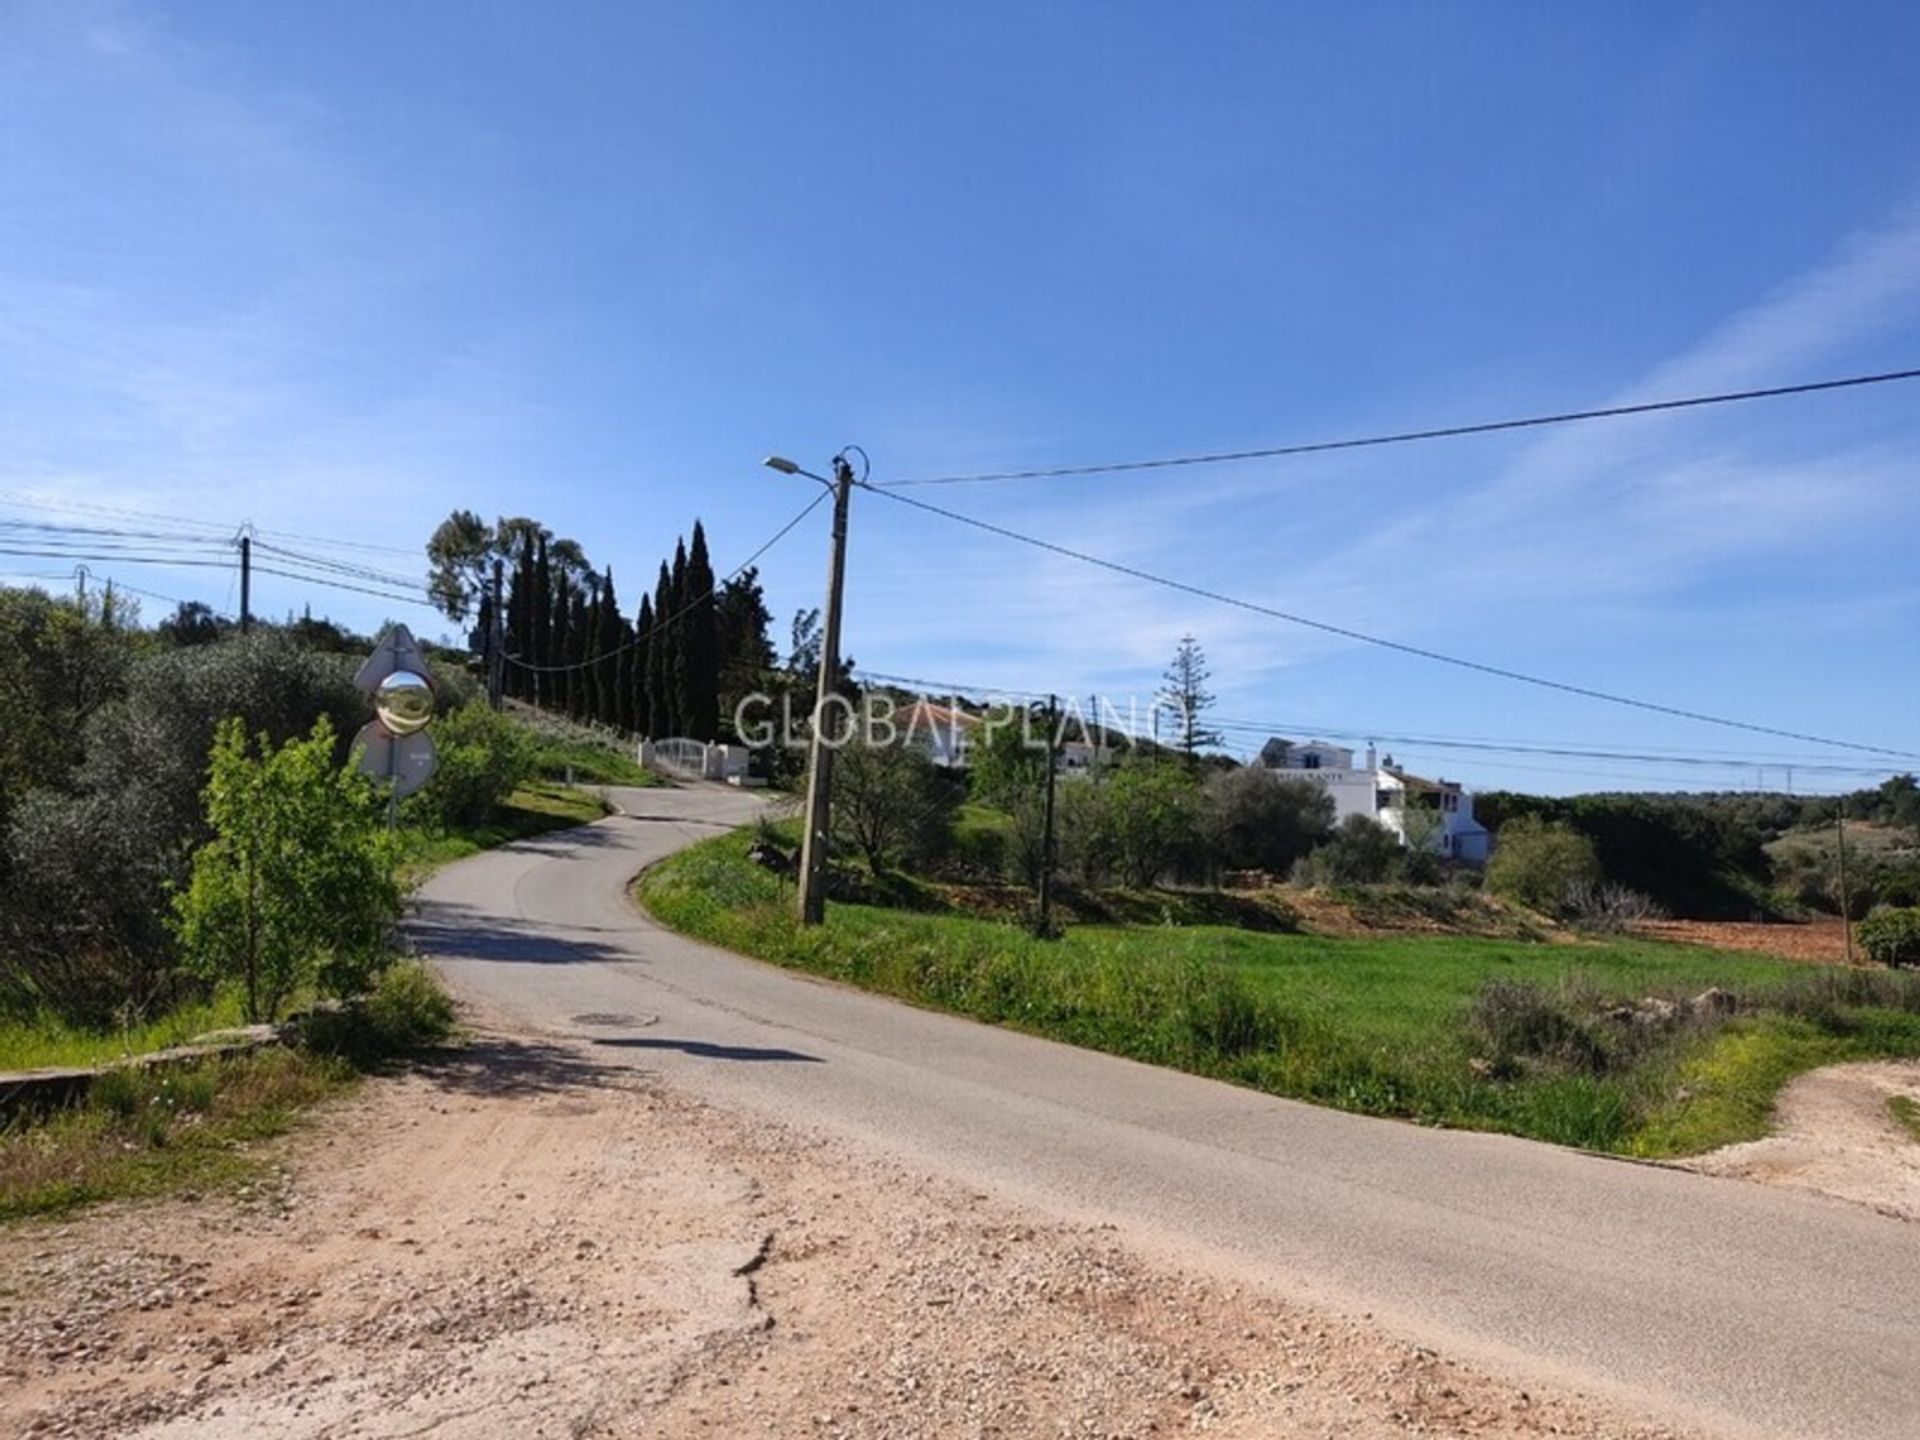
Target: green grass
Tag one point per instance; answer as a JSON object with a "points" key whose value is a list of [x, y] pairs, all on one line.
{"points": [[533, 809], [142, 1132], [590, 763], [42, 1042], [1379, 1025], [1905, 1111]]}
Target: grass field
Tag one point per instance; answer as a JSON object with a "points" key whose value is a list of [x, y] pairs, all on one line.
{"points": [[1382, 1025]]}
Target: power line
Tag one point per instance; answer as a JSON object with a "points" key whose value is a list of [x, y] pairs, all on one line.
{"points": [[344, 567], [122, 558], [1403, 437], [1439, 657], [333, 584], [1427, 742], [1244, 728], [661, 623]]}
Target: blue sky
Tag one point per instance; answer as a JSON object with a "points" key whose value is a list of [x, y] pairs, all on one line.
{"points": [[338, 269]]}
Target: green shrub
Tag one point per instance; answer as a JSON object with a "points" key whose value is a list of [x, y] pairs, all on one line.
{"points": [[1360, 852], [408, 1009], [482, 758], [1891, 936], [299, 886], [1541, 862], [1518, 1023]]}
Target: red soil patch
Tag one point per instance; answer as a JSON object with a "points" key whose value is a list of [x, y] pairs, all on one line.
{"points": [[1819, 942]]}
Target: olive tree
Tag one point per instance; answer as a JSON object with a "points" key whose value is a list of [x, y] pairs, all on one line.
{"points": [[891, 802], [1256, 819]]}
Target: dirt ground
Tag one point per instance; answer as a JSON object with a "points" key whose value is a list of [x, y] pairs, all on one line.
{"points": [[515, 1243], [1833, 1133], [1819, 942]]}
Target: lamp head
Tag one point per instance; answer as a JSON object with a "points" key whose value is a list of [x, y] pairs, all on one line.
{"points": [[782, 464]]}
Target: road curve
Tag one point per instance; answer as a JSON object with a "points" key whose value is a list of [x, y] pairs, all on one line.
{"points": [[1739, 1308]]}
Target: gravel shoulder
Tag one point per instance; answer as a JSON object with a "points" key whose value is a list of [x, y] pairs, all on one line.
{"points": [[520, 1240], [1834, 1134]]}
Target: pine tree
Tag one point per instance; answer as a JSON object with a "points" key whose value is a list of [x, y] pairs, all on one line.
{"points": [[1185, 698]]}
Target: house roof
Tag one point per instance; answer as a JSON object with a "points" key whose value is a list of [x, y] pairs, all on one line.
{"points": [[1420, 782], [925, 715]]}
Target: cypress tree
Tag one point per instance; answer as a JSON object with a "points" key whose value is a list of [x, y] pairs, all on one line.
{"points": [[640, 714], [607, 638], [520, 620], [700, 644], [559, 683], [659, 670], [675, 635], [541, 650], [580, 651]]}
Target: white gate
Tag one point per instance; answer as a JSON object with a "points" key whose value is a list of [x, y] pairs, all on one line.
{"points": [[682, 758]]}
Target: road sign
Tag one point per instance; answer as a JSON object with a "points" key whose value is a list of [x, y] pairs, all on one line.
{"points": [[396, 650], [405, 761]]}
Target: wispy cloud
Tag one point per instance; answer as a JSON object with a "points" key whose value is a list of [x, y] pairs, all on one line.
{"points": [[1597, 518]]}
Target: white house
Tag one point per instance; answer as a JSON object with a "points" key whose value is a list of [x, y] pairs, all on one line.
{"points": [[942, 731], [946, 734], [1382, 792]]}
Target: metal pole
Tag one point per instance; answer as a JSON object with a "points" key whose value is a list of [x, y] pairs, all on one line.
{"points": [[812, 888], [246, 583], [1846, 915], [496, 647], [1046, 843]]}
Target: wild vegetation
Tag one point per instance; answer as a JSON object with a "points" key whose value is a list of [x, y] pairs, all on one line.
{"points": [[141, 1131], [1629, 1046], [182, 837]]}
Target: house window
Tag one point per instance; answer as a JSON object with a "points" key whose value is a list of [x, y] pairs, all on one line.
{"points": [[1309, 761]]}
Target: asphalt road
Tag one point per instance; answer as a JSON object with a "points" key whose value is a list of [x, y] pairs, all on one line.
{"points": [[1741, 1308]]}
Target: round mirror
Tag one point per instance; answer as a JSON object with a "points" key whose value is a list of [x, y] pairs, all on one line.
{"points": [[404, 702]]}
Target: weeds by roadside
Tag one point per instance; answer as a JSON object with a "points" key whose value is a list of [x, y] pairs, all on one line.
{"points": [[1905, 1111], [142, 1131]]}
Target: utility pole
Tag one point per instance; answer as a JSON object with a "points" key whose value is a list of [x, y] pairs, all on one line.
{"points": [[246, 583], [1846, 914], [812, 889], [496, 647], [1046, 843]]}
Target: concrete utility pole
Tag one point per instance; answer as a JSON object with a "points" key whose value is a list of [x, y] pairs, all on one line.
{"points": [[812, 896], [246, 583], [1046, 843], [1846, 914], [496, 647]]}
